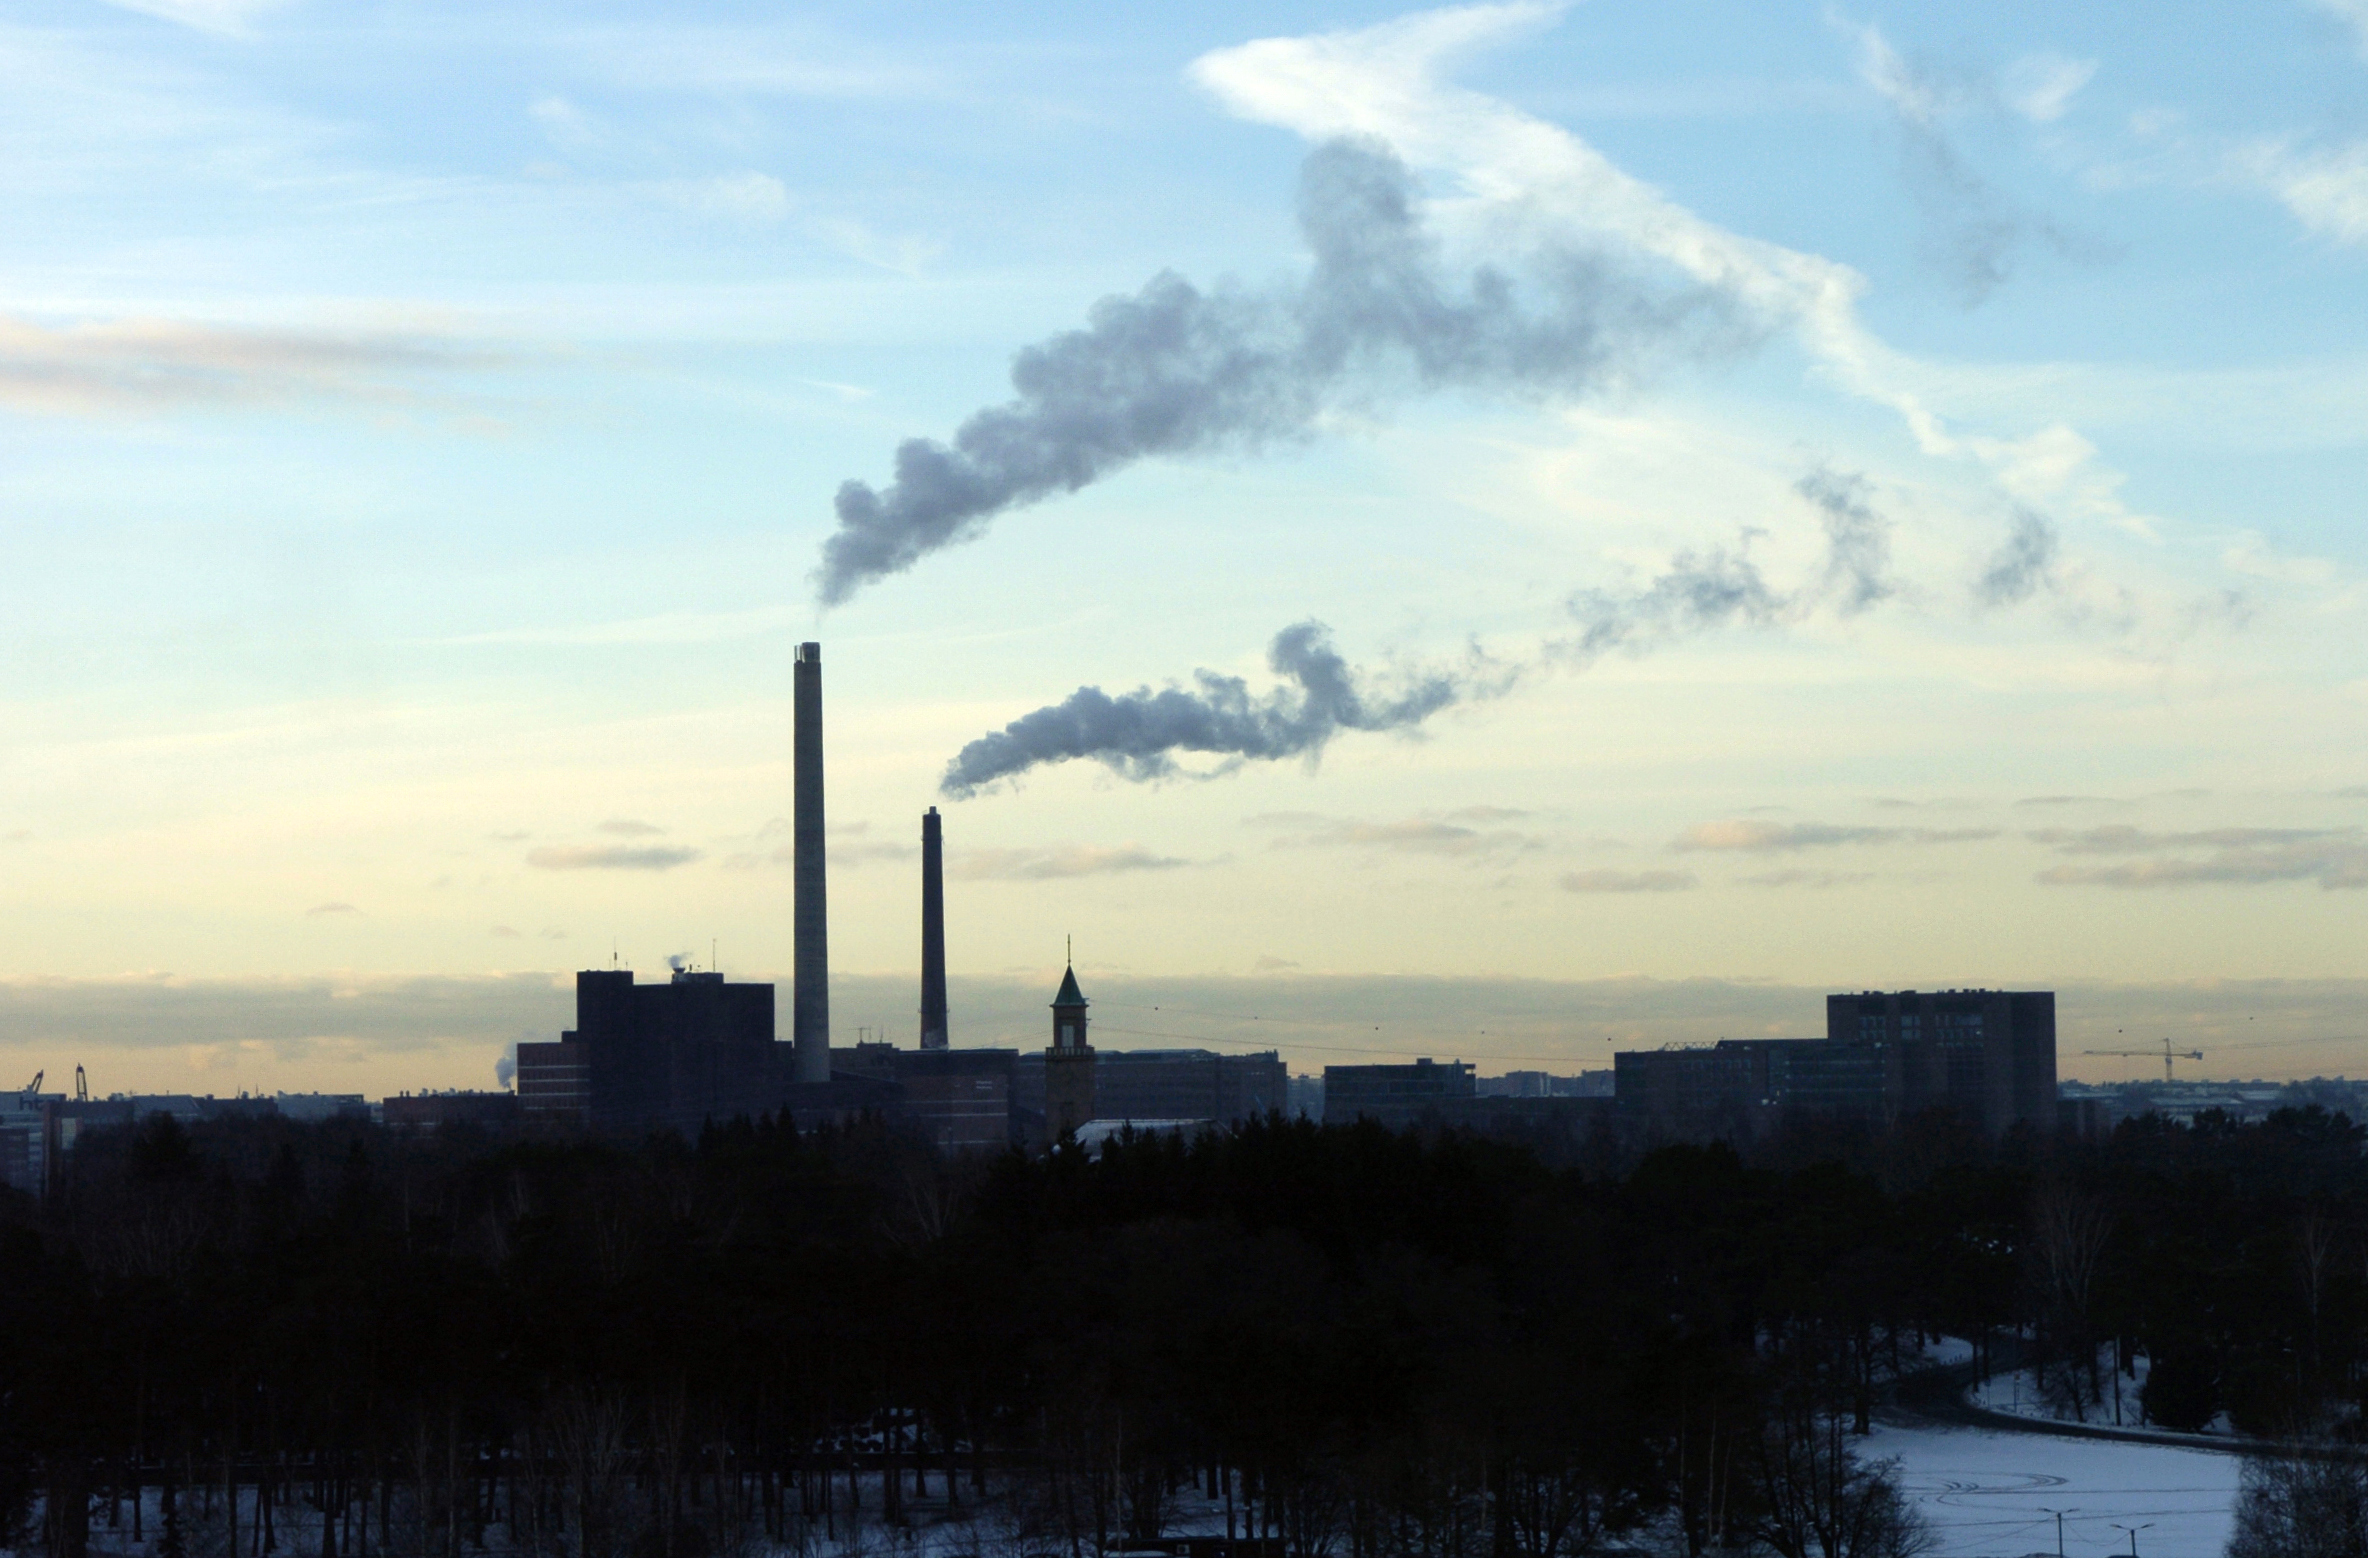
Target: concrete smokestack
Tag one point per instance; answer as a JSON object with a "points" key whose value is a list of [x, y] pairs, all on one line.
{"points": [[933, 932], [810, 986]]}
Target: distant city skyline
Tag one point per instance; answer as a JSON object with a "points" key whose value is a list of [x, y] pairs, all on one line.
{"points": [[1897, 522]]}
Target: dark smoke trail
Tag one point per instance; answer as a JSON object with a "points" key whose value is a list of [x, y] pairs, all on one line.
{"points": [[1702, 592], [1138, 733], [1174, 369], [1698, 594], [2022, 565], [1857, 539]]}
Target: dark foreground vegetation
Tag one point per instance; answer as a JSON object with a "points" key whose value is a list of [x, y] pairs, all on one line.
{"points": [[264, 1337]]}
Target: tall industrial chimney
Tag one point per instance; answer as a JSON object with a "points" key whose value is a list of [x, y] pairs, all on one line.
{"points": [[933, 932], [810, 984]]}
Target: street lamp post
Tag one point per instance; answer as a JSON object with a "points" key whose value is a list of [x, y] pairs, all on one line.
{"points": [[2133, 1531], [2059, 1514]]}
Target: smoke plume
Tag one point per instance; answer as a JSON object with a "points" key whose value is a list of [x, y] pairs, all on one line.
{"points": [[1857, 539], [2021, 566], [1173, 369], [1701, 592], [1138, 734]]}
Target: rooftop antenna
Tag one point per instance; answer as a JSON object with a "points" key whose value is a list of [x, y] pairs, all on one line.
{"points": [[1069, 953], [711, 963]]}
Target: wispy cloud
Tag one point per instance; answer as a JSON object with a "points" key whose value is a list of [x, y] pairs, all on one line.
{"points": [[1056, 862], [2041, 87], [2332, 857], [1796, 877], [755, 61], [147, 365], [229, 17], [2354, 12], [2119, 839], [330, 908], [1406, 835], [630, 827], [1758, 837], [1628, 881], [674, 627], [747, 196], [610, 857], [2325, 188], [1972, 230]]}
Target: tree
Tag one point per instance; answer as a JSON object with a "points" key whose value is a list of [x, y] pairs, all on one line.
{"points": [[1818, 1499], [2302, 1505]]}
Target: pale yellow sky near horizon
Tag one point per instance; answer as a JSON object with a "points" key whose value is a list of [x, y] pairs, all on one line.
{"points": [[365, 647]]}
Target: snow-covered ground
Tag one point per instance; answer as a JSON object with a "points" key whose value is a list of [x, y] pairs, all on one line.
{"points": [[1986, 1494], [2018, 1393]]}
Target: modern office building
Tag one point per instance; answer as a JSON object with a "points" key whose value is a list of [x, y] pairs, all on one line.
{"points": [[1989, 1056], [1395, 1096]]}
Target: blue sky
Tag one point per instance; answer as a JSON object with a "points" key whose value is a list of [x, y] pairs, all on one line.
{"points": [[419, 427]]}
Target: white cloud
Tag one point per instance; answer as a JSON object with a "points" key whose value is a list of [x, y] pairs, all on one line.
{"points": [[156, 364], [2353, 11], [1409, 835], [1914, 93], [1516, 173], [2041, 87], [609, 857], [2326, 190], [230, 17], [903, 255], [563, 123], [1056, 863], [1761, 837], [763, 61], [1628, 881], [747, 196]]}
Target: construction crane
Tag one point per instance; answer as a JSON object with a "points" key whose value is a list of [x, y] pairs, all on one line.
{"points": [[33, 1088], [2167, 1053]]}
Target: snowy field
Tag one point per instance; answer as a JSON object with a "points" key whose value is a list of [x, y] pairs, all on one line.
{"points": [[1985, 1493]]}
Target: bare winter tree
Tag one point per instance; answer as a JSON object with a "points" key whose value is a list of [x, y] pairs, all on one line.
{"points": [[2302, 1505], [1818, 1499], [2068, 1234]]}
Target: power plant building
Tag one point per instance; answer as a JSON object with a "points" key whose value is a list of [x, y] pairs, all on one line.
{"points": [[693, 1049]]}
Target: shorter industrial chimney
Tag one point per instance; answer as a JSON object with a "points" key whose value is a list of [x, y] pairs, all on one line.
{"points": [[933, 932]]}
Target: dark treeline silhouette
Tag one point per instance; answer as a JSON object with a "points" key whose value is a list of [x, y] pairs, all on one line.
{"points": [[259, 1337]]}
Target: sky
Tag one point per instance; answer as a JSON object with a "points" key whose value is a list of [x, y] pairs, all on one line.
{"points": [[1499, 532]]}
